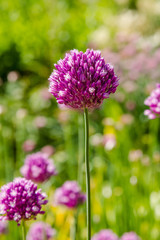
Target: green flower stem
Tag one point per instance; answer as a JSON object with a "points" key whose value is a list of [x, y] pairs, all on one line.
{"points": [[74, 229], [80, 149], [88, 201], [23, 230]]}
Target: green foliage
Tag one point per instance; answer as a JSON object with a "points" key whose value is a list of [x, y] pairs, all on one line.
{"points": [[34, 35]]}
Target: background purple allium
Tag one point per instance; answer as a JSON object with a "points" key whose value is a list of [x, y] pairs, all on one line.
{"points": [[130, 236], [38, 167], [21, 199], [82, 80], [105, 234], [153, 101], [3, 227], [69, 194], [40, 231]]}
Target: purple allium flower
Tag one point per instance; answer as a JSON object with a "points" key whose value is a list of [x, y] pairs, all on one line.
{"points": [[69, 194], [130, 236], [21, 199], [82, 80], [153, 101], [105, 234], [40, 231], [38, 167], [3, 227]]}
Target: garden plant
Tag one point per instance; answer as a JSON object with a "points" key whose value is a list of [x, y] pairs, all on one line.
{"points": [[79, 120]]}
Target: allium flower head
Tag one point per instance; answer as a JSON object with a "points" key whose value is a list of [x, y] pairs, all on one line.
{"points": [[3, 227], [82, 80], [69, 194], [21, 199], [153, 101], [105, 234], [38, 167], [40, 231], [130, 236]]}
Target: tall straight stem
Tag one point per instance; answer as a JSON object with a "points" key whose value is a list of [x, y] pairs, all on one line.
{"points": [[88, 202], [74, 229], [23, 230], [80, 149]]}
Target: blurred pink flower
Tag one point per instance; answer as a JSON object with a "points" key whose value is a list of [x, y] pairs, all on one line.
{"points": [[28, 145], [40, 231], [130, 105], [128, 51], [157, 55], [3, 227], [63, 115], [109, 141], [135, 155], [120, 97], [127, 119], [105, 234], [130, 236], [153, 101], [48, 150], [45, 94], [69, 195], [129, 86], [40, 121], [38, 167], [13, 76]]}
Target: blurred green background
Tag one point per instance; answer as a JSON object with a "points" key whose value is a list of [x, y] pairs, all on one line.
{"points": [[125, 157]]}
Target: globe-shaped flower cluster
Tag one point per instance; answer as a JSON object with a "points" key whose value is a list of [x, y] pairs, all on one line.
{"points": [[69, 195], [21, 200], [40, 231], [82, 80], [153, 101], [105, 234], [38, 167], [130, 236]]}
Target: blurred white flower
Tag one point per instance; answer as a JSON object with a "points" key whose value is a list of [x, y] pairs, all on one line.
{"points": [[96, 139], [135, 155], [109, 141], [107, 191], [21, 113], [96, 218], [133, 180], [142, 211]]}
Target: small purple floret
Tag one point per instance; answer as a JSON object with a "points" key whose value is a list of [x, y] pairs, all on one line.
{"points": [[153, 101], [130, 236], [38, 167], [40, 231], [21, 200], [69, 194], [3, 227], [82, 80], [105, 234]]}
